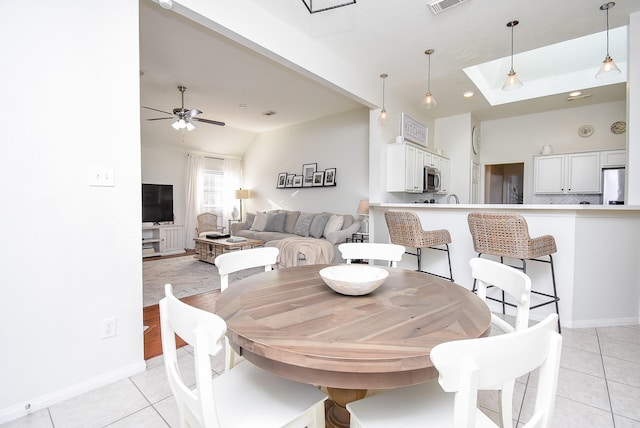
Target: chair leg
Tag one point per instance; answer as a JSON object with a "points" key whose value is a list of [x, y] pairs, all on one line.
{"points": [[555, 292], [419, 254]]}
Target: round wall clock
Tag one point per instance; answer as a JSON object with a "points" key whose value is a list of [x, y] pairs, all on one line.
{"points": [[475, 140], [618, 127], [585, 130]]}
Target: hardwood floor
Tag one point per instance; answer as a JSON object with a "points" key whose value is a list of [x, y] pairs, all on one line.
{"points": [[151, 315]]}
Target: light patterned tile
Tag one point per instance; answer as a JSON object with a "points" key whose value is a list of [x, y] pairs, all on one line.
{"points": [[100, 407], [489, 400], [622, 350], [583, 388], [39, 419], [168, 409], [145, 418], [622, 371], [154, 384], [622, 334], [622, 422], [568, 413], [582, 361], [624, 400], [578, 338]]}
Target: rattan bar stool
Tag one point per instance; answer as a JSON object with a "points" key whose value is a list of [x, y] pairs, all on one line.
{"points": [[405, 229], [507, 235]]}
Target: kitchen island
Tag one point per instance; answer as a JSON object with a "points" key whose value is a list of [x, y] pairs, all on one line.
{"points": [[597, 264]]}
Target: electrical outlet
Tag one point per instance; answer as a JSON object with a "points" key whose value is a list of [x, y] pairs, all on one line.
{"points": [[109, 327]]}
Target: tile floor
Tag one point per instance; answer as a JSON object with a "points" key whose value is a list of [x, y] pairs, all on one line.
{"points": [[599, 387]]}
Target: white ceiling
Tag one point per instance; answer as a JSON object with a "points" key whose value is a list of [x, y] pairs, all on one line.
{"points": [[376, 36]]}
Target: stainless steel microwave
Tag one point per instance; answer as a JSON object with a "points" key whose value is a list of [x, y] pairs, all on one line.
{"points": [[431, 179]]}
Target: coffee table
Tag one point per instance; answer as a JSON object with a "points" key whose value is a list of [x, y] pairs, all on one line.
{"points": [[208, 249]]}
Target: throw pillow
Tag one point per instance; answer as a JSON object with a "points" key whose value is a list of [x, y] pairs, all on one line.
{"points": [[292, 219], [334, 224], [318, 224], [303, 224], [275, 222], [249, 221], [259, 222]]}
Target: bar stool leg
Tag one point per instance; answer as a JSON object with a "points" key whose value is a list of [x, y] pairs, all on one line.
{"points": [[555, 292], [419, 254]]}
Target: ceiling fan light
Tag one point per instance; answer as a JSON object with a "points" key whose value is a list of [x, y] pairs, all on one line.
{"points": [[429, 101], [176, 125], [190, 126], [512, 82], [608, 68]]}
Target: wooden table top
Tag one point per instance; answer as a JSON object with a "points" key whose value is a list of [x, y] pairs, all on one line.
{"points": [[288, 321], [222, 242]]}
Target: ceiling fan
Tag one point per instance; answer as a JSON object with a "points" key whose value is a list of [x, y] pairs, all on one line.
{"points": [[184, 118]]}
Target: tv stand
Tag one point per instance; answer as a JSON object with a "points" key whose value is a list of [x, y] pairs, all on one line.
{"points": [[162, 240]]}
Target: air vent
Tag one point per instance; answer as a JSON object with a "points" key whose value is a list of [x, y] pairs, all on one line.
{"points": [[438, 6]]}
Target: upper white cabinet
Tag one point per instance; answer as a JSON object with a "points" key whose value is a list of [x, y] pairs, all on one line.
{"points": [[405, 166], [613, 158], [567, 173]]}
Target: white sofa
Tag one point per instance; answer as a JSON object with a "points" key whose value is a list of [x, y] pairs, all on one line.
{"points": [[275, 225]]}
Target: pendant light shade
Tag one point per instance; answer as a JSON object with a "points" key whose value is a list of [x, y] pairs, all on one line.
{"points": [[383, 112], [512, 82], [608, 67], [429, 101]]}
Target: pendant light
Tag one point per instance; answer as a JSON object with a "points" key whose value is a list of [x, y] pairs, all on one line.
{"points": [[608, 67], [512, 79], [383, 112], [428, 101]]}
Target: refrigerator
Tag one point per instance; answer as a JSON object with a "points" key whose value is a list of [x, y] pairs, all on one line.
{"points": [[613, 186]]}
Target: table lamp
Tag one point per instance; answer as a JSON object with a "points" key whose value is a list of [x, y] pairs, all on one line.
{"points": [[363, 210], [241, 194]]}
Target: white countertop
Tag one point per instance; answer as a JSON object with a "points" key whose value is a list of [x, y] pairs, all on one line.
{"points": [[516, 207]]}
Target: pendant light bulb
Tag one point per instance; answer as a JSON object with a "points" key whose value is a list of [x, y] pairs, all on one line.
{"points": [[429, 102], [383, 113], [608, 67], [512, 82]]}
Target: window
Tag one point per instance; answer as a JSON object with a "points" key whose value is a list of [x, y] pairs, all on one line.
{"points": [[212, 197]]}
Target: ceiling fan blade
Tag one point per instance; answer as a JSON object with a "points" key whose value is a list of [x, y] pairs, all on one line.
{"points": [[161, 118], [155, 109], [212, 122], [193, 112]]}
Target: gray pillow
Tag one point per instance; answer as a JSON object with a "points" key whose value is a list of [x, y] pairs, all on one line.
{"points": [[334, 224], [292, 219], [260, 222], [275, 222], [249, 221], [304, 224], [317, 225]]}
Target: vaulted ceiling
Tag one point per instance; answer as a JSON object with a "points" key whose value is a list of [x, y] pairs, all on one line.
{"points": [[235, 84]]}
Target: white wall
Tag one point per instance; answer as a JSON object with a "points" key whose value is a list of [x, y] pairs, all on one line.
{"points": [[453, 136], [633, 112], [518, 139], [71, 253], [339, 141]]}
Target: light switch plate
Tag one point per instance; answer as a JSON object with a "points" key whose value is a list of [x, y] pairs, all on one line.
{"points": [[101, 176]]}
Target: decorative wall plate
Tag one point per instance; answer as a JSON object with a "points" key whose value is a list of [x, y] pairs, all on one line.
{"points": [[618, 127], [475, 140], [585, 130]]}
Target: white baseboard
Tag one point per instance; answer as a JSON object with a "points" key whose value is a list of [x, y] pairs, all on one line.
{"points": [[23, 409]]}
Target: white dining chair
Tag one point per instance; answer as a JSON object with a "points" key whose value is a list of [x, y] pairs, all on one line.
{"points": [[391, 253], [464, 367], [245, 396], [488, 273], [235, 261]]}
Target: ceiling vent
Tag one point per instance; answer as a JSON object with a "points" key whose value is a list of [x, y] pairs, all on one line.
{"points": [[438, 6]]}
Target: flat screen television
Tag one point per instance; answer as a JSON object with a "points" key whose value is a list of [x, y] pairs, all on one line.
{"points": [[157, 203]]}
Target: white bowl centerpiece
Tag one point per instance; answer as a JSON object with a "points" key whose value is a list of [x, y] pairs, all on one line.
{"points": [[353, 279]]}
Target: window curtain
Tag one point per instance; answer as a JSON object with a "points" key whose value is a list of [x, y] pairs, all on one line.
{"points": [[195, 170], [232, 182]]}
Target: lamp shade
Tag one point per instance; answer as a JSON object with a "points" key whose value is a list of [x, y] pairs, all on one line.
{"points": [[242, 194], [363, 207]]}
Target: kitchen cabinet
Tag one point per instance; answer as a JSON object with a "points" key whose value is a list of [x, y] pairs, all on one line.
{"points": [[613, 158], [405, 168], [572, 173], [444, 176]]}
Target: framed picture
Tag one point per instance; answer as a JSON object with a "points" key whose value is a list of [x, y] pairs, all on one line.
{"points": [[289, 180], [282, 180], [297, 181], [308, 169], [318, 178], [413, 130], [330, 177]]}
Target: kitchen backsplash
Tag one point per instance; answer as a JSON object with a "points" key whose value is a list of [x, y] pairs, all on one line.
{"points": [[566, 199]]}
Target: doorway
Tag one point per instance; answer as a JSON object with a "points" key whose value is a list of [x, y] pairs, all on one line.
{"points": [[504, 183]]}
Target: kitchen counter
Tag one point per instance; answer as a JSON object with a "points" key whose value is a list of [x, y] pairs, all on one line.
{"points": [[597, 263]]}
